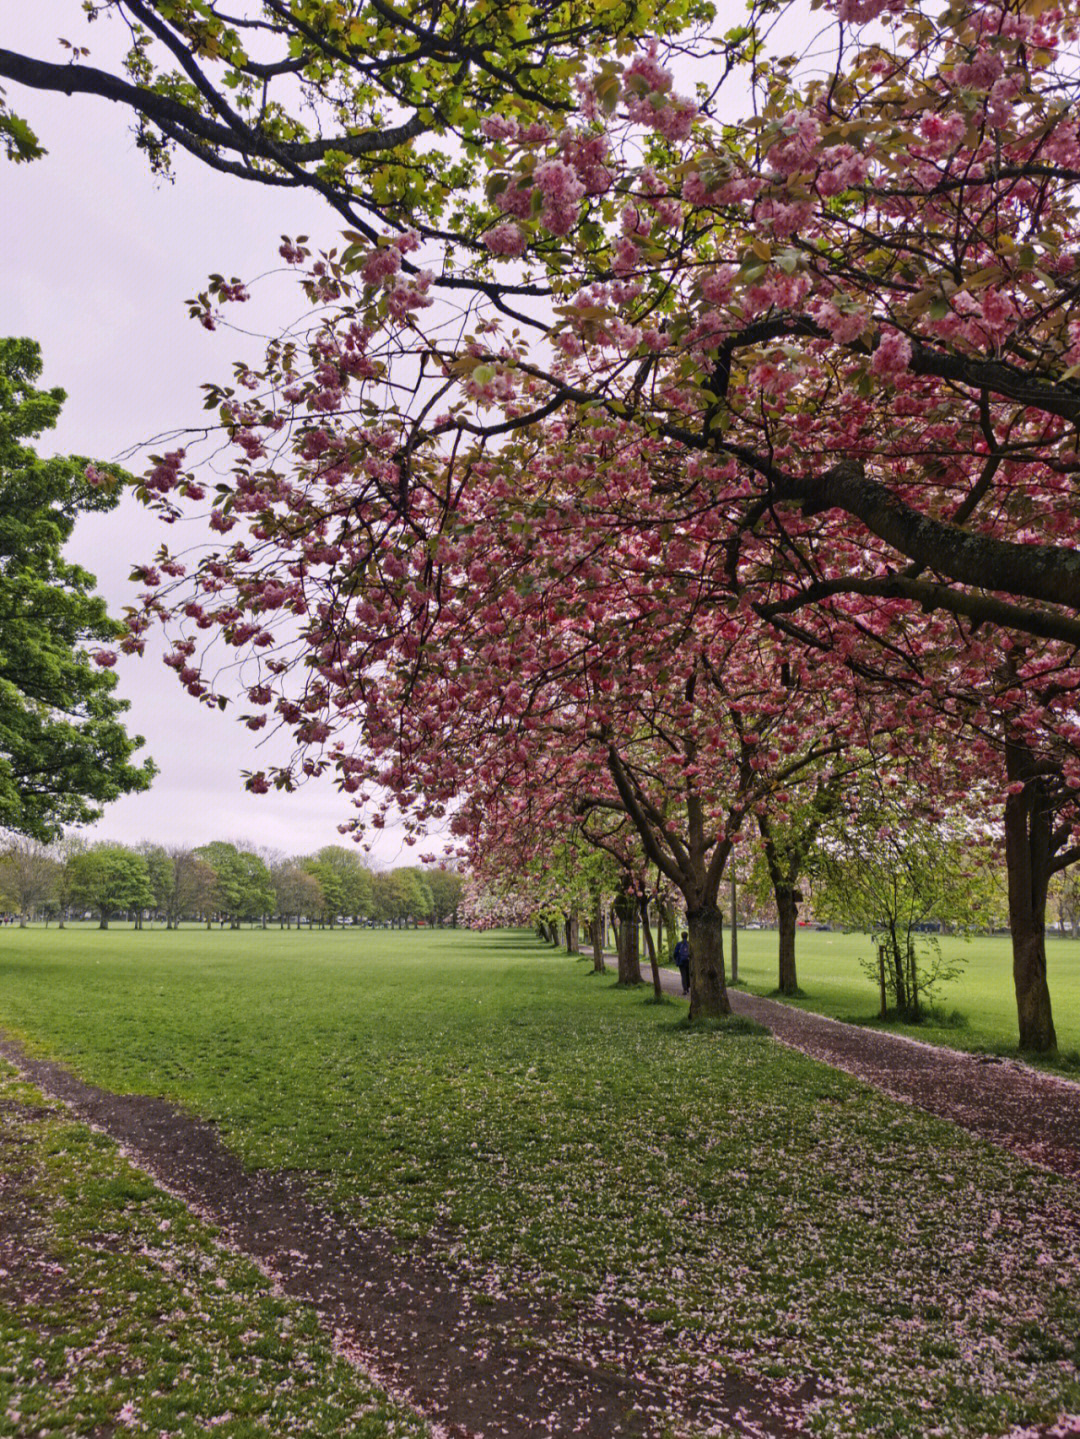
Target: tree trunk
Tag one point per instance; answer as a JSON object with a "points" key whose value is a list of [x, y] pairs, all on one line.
{"points": [[671, 933], [708, 988], [734, 928], [787, 911], [658, 989], [1027, 858], [598, 936], [896, 960], [629, 963], [572, 936], [103, 922]]}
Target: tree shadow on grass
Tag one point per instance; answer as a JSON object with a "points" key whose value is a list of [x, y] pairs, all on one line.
{"points": [[728, 1024], [927, 1018]]}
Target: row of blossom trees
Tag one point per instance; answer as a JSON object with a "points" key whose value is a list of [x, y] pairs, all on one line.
{"points": [[751, 447]]}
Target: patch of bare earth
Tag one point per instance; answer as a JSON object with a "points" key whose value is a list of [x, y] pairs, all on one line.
{"points": [[476, 1362]]}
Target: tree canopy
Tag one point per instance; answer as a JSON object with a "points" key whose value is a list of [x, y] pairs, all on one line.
{"points": [[64, 751], [375, 107]]}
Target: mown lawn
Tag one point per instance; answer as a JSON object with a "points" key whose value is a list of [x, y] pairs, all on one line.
{"points": [[981, 1003], [561, 1135]]}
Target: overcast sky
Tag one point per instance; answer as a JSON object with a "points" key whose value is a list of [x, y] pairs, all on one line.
{"points": [[98, 258]]}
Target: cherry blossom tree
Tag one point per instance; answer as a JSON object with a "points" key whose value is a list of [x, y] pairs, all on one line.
{"points": [[812, 377]]}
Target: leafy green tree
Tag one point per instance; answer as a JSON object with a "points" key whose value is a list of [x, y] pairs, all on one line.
{"points": [[891, 873], [65, 849], [192, 887], [296, 891], [446, 887], [109, 879], [182, 883], [162, 874], [344, 881], [63, 749], [29, 877], [242, 887], [421, 905], [400, 895]]}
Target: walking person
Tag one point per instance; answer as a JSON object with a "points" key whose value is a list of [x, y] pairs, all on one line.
{"points": [[681, 957]]}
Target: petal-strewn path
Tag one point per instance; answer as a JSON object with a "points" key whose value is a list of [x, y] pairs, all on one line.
{"points": [[1033, 1114], [478, 1363]]}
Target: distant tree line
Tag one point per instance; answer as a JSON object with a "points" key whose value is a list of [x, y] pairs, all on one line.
{"points": [[218, 883]]}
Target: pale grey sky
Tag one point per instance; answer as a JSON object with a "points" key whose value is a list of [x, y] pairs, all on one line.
{"points": [[98, 259]]}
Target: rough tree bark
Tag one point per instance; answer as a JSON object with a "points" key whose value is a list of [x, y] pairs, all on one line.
{"points": [[629, 963], [1028, 860], [708, 987], [787, 910]]}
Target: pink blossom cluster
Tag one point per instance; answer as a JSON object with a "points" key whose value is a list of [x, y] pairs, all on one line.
{"points": [[166, 473], [506, 240], [892, 355], [562, 192]]}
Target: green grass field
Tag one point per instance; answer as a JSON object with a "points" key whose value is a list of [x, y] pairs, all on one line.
{"points": [[571, 1138], [982, 997]]}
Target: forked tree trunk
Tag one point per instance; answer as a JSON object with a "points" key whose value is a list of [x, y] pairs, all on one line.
{"points": [[787, 911], [708, 987], [1028, 859]]}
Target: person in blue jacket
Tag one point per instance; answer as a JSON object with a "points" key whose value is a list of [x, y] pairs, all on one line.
{"points": [[681, 957]]}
